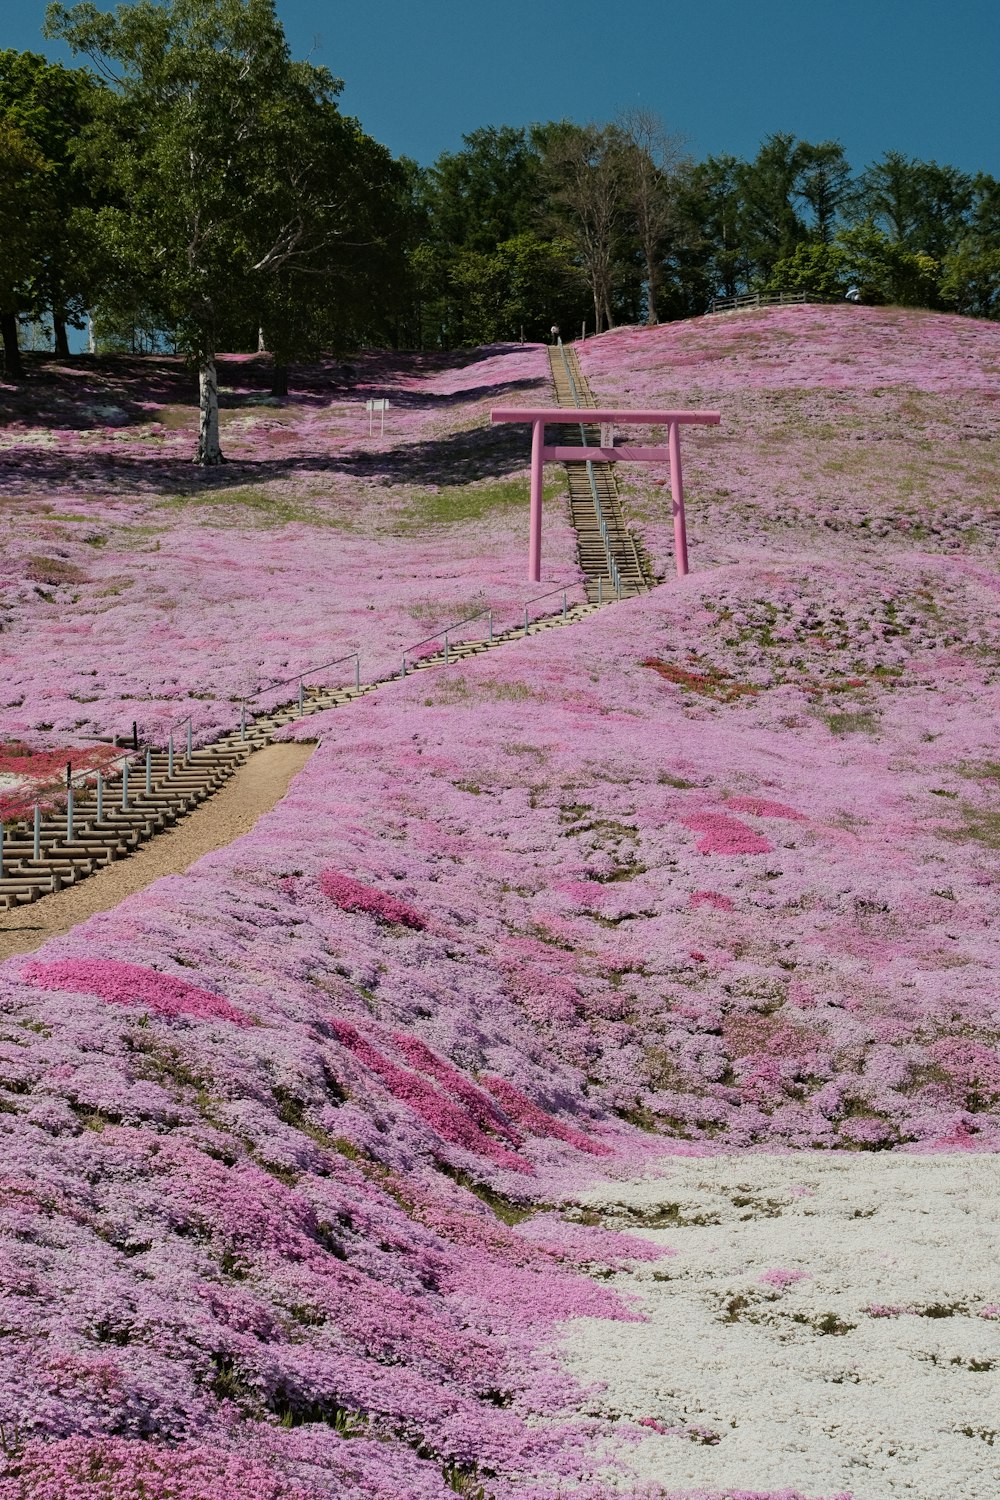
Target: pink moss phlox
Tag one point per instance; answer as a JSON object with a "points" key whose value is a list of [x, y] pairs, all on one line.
{"points": [[131, 984], [973, 1070], [452, 1122], [761, 807], [537, 1120], [479, 1106], [723, 835], [353, 896], [780, 1278], [712, 899], [111, 1468], [991, 1313]]}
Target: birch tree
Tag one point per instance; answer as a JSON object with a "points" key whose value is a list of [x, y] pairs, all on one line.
{"points": [[652, 158], [589, 192], [219, 179]]}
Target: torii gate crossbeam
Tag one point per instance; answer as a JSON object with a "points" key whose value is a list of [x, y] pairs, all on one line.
{"points": [[608, 418]]}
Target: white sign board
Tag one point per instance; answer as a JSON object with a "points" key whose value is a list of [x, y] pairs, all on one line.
{"points": [[378, 404]]}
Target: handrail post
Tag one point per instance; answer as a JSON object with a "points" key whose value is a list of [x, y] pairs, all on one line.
{"points": [[125, 786], [100, 797], [600, 588], [491, 628], [69, 813], [243, 721], [677, 495], [2, 870], [301, 698], [357, 670], [149, 771], [404, 667], [170, 755], [36, 851], [446, 648], [189, 738]]}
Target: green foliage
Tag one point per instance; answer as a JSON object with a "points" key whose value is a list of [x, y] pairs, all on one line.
{"points": [[815, 267], [50, 261], [472, 502], [885, 271], [198, 187], [970, 280], [527, 283]]}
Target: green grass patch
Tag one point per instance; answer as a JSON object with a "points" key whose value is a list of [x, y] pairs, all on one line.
{"points": [[254, 505], [471, 502], [860, 721]]}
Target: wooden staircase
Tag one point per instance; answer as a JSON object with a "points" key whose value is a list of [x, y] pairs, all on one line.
{"points": [[614, 552], [64, 860]]}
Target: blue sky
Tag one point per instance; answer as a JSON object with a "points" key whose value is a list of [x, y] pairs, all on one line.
{"points": [[906, 75]]}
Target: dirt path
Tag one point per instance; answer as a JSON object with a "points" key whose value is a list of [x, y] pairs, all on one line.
{"points": [[251, 791]]}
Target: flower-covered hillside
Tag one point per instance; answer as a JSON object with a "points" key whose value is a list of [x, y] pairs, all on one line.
{"points": [[283, 1129], [136, 587], [295, 1144], [874, 424], [732, 846]]}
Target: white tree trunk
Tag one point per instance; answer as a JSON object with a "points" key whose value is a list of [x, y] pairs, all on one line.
{"points": [[209, 451]]}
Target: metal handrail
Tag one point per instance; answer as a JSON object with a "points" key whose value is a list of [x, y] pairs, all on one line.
{"points": [[298, 676], [446, 630], [613, 571]]}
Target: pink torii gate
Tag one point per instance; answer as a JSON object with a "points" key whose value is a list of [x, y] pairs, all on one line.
{"points": [[608, 418]]}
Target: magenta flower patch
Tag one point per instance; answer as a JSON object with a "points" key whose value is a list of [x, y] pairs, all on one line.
{"points": [[131, 984], [724, 835], [539, 1121], [110, 1468], [353, 896], [711, 899], [762, 807], [448, 1119]]}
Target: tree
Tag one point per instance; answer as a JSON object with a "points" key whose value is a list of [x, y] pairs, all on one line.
{"points": [[218, 169], [819, 269], [652, 158], [770, 223], [52, 106], [526, 284], [920, 205], [706, 258], [23, 182], [970, 280], [884, 271], [488, 192], [335, 294], [824, 184], [588, 192]]}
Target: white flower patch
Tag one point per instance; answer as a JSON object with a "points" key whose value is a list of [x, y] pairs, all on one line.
{"points": [[828, 1323]]}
